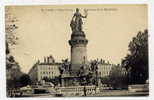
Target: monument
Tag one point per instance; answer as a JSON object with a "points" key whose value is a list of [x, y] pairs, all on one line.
{"points": [[78, 43]]}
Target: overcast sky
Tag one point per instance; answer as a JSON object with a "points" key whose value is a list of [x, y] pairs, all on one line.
{"points": [[45, 30]]}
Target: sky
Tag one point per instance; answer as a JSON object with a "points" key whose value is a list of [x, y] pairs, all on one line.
{"points": [[45, 30]]}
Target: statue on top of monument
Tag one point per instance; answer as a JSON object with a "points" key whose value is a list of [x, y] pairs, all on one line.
{"points": [[76, 22]]}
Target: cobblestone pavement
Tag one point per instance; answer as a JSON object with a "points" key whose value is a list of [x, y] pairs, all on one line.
{"points": [[105, 93], [120, 93]]}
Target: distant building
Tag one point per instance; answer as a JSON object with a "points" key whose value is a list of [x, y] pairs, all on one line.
{"points": [[49, 69], [124, 71], [104, 68]]}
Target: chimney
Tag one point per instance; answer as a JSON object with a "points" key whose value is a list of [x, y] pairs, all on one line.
{"points": [[44, 59], [48, 60]]}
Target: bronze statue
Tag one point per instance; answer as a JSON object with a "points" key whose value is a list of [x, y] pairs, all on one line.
{"points": [[76, 22]]}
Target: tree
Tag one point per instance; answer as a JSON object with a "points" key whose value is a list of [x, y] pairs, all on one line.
{"points": [[10, 28], [25, 80], [118, 77], [136, 62], [115, 76], [7, 49], [13, 77], [12, 67]]}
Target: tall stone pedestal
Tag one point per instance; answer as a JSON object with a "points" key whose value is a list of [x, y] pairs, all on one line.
{"points": [[78, 45]]}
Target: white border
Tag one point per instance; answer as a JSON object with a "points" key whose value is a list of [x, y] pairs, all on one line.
{"points": [[61, 2]]}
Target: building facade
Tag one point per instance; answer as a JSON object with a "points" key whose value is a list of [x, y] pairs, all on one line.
{"points": [[47, 69], [104, 68]]}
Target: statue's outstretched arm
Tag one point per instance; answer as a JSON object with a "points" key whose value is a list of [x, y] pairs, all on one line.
{"points": [[86, 13], [84, 16]]}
